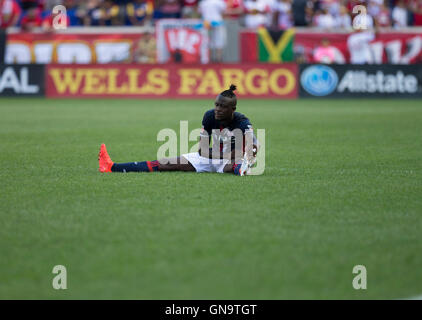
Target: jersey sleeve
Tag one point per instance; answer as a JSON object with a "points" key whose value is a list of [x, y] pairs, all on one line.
{"points": [[207, 123], [244, 125]]}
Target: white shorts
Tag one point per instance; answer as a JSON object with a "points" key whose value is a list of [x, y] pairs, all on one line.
{"points": [[202, 164]]}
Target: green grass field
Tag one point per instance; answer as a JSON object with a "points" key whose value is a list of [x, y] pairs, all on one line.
{"points": [[342, 187]]}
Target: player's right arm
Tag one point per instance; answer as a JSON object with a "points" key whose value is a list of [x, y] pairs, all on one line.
{"points": [[204, 144], [204, 136]]}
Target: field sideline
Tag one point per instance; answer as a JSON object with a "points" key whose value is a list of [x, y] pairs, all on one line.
{"points": [[342, 187]]}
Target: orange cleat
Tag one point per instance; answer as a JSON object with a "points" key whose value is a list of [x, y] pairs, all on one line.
{"points": [[104, 160]]}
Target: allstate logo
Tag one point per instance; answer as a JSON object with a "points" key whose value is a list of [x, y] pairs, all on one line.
{"points": [[319, 80]]}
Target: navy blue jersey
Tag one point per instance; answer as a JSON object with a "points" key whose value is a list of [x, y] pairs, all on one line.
{"points": [[239, 121]]}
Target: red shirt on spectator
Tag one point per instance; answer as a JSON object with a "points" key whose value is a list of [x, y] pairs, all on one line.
{"points": [[235, 8], [32, 19], [9, 13], [418, 14], [383, 18], [48, 21], [352, 3], [190, 3]]}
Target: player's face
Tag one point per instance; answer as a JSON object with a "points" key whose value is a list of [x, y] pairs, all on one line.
{"points": [[224, 108]]}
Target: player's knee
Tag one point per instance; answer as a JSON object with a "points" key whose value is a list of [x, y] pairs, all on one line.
{"points": [[170, 164], [168, 161]]}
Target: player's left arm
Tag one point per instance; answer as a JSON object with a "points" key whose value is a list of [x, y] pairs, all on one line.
{"points": [[256, 145], [204, 136], [246, 127]]}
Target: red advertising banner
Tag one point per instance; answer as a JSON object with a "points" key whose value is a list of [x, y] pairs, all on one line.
{"points": [[45, 48], [170, 81], [392, 47]]}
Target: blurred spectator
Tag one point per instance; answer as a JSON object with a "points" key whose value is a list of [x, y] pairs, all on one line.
{"points": [[91, 12], [353, 3], [399, 15], [325, 53], [256, 13], [282, 14], [139, 12], [417, 13], [332, 6], [374, 7], [235, 9], [300, 54], [190, 9], [311, 7], [101, 13], [30, 4], [362, 21], [270, 14], [122, 13], [343, 21], [31, 19], [358, 44], [299, 12], [9, 13], [145, 52], [383, 18], [168, 9], [323, 19], [74, 12], [49, 20], [50, 4], [212, 14], [110, 14]]}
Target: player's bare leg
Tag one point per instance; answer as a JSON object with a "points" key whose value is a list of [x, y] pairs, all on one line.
{"points": [[174, 164]]}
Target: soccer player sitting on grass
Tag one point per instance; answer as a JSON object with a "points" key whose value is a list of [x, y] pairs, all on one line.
{"points": [[232, 135]]}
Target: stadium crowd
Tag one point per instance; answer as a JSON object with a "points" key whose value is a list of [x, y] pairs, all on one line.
{"points": [[277, 14]]}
